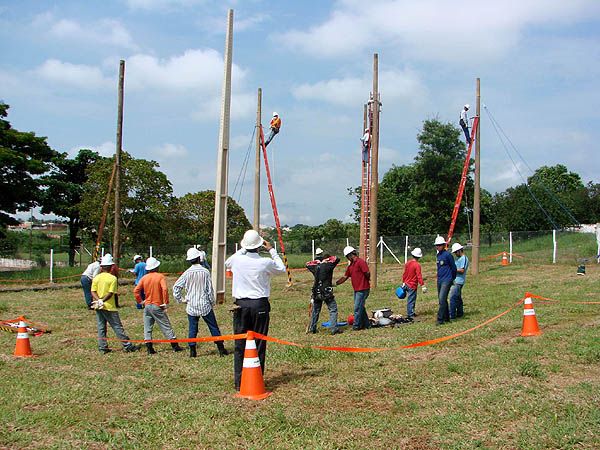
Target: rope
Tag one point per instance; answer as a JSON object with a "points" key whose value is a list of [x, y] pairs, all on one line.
{"points": [[243, 169]]}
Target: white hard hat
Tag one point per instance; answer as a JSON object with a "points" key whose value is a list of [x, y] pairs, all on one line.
{"points": [[202, 255], [251, 240], [417, 253], [107, 260], [275, 114], [318, 251], [439, 240], [366, 129], [456, 247], [152, 263], [348, 249], [467, 106], [136, 257], [192, 254]]}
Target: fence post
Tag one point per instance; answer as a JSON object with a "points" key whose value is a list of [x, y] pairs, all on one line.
{"points": [[275, 245], [380, 249], [347, 242], [102, 254], [510, 247], [313, 249], [150, 252], [406, 250], [236, 247], [554, 246], [598, 241], [51, 264]]}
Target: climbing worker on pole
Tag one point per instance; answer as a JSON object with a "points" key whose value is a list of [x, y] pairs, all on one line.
{"points": [[464, 123], [365, 145], [322, 291], [446, 272], [275, 126]]}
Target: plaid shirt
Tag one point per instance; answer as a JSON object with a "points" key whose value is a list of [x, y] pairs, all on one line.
{"points": [[199, 293]]}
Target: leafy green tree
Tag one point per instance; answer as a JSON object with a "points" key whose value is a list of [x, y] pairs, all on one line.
{"points": [[23, 157], [64, 190]]}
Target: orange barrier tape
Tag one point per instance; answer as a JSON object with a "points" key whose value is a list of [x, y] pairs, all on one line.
{"points": [[545, 299], [227, 337]]}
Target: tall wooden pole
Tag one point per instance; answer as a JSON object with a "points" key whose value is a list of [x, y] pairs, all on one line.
{"points": [[362, 248], [256, 224], [373, 238], [117, 231], [220, 225], [476, 198]]}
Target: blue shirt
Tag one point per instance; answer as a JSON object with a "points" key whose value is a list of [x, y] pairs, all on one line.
{"points": [[446, 269], [461, 263], [139, 270]]}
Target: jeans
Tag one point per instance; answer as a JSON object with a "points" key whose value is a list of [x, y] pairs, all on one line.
{"points": [[272, 134], [316, 311], [361, 319], [411, 300], [443, 314], [456, 301], [86, 284], [467, 134], [112, 318], [153, 313], [211, 321]]}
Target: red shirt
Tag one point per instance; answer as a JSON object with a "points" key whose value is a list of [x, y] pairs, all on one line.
{"points": [[357, 270], [412, 274]]}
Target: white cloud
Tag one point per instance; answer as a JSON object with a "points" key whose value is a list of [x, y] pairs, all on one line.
{"points": [[106, 149], [168, 151], [161, 5], [218, 24], [79, 75], [450, 31]]}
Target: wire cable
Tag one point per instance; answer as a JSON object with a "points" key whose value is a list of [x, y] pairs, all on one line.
{"points": [[242, 173]]}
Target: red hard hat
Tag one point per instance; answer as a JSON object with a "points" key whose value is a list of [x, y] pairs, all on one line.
{"points": [[350, 319]]}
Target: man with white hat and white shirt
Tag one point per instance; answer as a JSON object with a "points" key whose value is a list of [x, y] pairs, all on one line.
{"points": [[104, 289], [87, 276], [199, 298], [251, 288], [464, 123]]}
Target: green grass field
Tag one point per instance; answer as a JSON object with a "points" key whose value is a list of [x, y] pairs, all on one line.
{"points": [[488, 389]]}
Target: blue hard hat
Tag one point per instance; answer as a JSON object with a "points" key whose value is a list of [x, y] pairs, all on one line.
{"points": [[400, 292]]}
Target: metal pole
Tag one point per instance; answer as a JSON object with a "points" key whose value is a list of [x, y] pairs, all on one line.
{"points": [[406, 250], [30, 231], [313, 249], [553, 246], [347, 242], [102, 254], [476, 193], [220, 223], [374, 170], [150, 252], [381, 250], [51, 264], [510, 247], [256, 224], [117, 231]]}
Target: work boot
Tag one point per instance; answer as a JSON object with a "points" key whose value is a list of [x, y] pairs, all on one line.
{"points": [[150, 348], [193, 351], [176, 347], [336, 331], [222, 350], [132, 348]]}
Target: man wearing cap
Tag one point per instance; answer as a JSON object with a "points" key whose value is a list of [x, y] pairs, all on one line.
{"points": [[104, 289], [446, 272], [199, 298], [251, 288], [358, 270], [87, 276], [462, 264], [275, 126], [139, 270], [153, 293], [464, 123], [412, 278], [322, 291]]}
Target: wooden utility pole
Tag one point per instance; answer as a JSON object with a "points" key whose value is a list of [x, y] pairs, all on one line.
{"points": [[373, 238], [256, 224], [476, 198], [219, 248], [362, 247], [117, 233]]}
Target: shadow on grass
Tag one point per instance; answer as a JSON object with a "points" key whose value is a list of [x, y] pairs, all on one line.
{"points": [[291, 377]]}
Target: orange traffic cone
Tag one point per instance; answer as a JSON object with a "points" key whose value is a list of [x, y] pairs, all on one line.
{"points": [[22, 349], [228, 273], [252, 385], [530, 323], [504, 259]]}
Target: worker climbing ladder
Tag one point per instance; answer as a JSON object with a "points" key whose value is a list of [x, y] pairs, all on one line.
{"points": [[365, 210], [274, 206], [463, 180]]}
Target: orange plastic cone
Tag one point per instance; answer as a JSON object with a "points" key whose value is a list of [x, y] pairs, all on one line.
{"points": [[228, 273], [504, 259], [23, 348], [252, 385], [530, 323]]}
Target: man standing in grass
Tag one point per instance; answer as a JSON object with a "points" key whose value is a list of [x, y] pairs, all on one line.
{"points": [[322, 291], [87, 276], [462, 264], [446, 272], [139, 270], [104, 290], [152, 291], [359, 272], [412, 278]]}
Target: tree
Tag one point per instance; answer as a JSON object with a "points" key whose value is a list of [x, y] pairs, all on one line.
{"points": [[23, 157], [64, 189]]}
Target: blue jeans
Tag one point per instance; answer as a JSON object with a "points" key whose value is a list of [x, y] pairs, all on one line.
{"points": [[86, 284], [456, 301], [467, 134], [211, 321], [361, 319], [316, 310], [443, 314], [411, 300]]}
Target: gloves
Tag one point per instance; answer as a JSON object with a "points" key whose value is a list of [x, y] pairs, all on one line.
{"points": [[424, 289], [139, 305], [98, 304]]}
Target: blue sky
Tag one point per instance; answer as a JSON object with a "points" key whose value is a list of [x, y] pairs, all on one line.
{"points": [[538, 60]]}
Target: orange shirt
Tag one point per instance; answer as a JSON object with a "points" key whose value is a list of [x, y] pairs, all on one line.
{"points": [[276, 122], [154, 287]]}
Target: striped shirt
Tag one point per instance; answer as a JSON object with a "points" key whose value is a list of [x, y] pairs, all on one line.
{"points": [[199, 294]]}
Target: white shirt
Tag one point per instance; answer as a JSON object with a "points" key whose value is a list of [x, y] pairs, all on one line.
{"points": [[464, 116], [199, 293], [92, 270], [365, 138], [252, 273]]}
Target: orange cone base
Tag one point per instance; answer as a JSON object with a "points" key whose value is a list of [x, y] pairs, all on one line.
{"points": [[23, 347], [253, 397]]}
